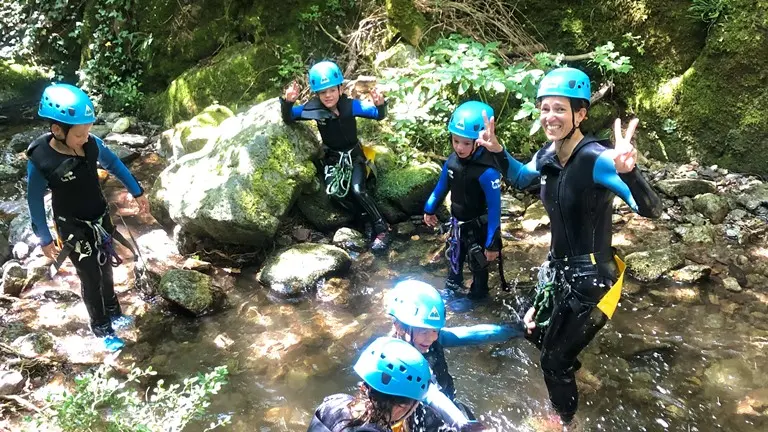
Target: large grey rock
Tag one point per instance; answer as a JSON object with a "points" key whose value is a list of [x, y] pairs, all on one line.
{"points": [[12, 166], [128, 140], [677, 188], [293, 271], [713, 206], [21, 140], [20, 230], [754, 197], [189, 289], [33, 344], [648, 266], [238, 187], [101, 130], [11, 382], [121, 125], [315, 205]]}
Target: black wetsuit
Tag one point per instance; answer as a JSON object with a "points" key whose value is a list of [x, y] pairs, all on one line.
{"points": [[579, 201], [334, 414], [475, 186], [80, 213], [339, 135]]}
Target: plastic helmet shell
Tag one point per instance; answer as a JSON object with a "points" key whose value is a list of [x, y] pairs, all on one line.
{"points": [[67, 104], [467, 119], [325, 75], [567, 82], [417, 304], [394, 367]]}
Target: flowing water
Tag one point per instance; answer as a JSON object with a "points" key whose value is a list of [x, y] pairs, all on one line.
{"points": [[683, 367]]}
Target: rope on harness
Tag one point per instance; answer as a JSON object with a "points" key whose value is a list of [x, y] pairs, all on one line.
{"points": [[544, 300], [339, 177], [452, 253], [104, 245]]}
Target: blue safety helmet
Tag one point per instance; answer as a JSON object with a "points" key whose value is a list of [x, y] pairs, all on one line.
{"points": [[467, 119], [325, 75], [393, 367], [417, 304], [568, 82], [67, 104]]}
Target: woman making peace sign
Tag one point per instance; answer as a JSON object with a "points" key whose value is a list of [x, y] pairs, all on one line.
{"points": [[579, 176]]}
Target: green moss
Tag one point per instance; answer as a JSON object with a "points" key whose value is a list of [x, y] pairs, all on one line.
{"points": [[720, 109], [404, 17], [19, 81], [235, 78]]}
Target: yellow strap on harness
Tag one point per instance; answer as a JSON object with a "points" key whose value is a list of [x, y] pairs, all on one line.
{"points": [[611, 299], [370, 157]]}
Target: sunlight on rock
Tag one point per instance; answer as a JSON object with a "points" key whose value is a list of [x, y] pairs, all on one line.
{"points": [[223, 341], [52, 315], [273, 345], [620, 239]]}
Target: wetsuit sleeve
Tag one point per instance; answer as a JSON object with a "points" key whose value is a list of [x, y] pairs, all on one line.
{"points": [[490, 181], [36, 186], [438, 195], [291, 112], [604, 173], [368, 110], [444, 407], [479, 334], [648, 200], [518, 174], [117, 168]]}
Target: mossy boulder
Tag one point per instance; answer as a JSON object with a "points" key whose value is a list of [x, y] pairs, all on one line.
{"points": [[407, 20], [234, 78], [696, 234], [317, 208], [238, 187], [189, 289], [677, 188], [20, 82], [712, 206], [648, 266], [407, 189], [191, 136], [293, 271], [720, 107]]}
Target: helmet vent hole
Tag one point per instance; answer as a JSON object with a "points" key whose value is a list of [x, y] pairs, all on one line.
{"points": [[386, 378], [409, 378], [71, 111], [477, 127], [391, 366], [402, 368], [418, 379], [422, 386], [572, 83], [58, 106]]}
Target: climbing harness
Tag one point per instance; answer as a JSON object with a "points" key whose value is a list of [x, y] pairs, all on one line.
{"points": [[610, 300], [544, 300], [338, 177]]}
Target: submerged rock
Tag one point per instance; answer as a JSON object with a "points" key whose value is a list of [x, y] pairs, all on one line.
{"points": [[691, 273], [648, 266], [349, 239], [189, 289], [298, 269]]}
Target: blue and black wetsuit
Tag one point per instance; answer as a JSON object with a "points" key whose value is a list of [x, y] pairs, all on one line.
{"points": [[475, 186], [579, 200], [339, 136], [80, 215], [433, 418]]}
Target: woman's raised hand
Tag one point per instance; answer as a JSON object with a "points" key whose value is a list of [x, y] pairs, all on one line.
{"points": [[625, 153], [487, 136]]}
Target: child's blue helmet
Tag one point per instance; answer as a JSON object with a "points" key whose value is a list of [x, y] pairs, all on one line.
{"points": [[467, 119], [417, 304], [393, 367], [568, 82], [325, 75], [67, 104]]}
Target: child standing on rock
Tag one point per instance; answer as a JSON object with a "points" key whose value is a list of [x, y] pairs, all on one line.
{"points": [[344, 164]]}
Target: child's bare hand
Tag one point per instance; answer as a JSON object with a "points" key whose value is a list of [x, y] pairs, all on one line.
{"points": [[292, 92], [430, 220]]}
